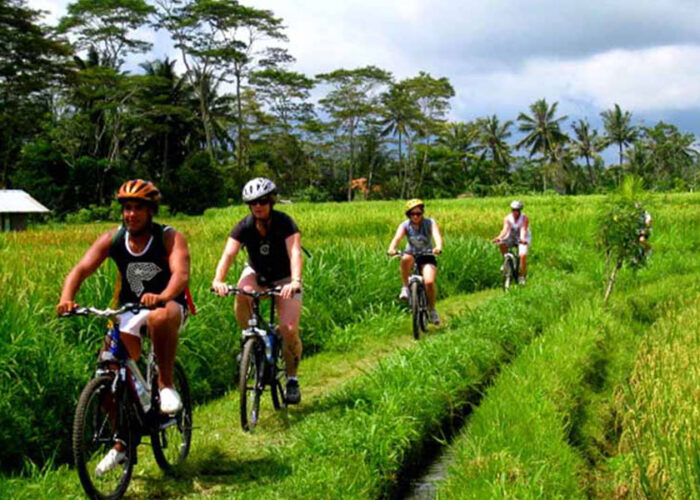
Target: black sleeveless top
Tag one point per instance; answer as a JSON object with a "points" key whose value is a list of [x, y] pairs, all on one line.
{"points": [[146, 272]]}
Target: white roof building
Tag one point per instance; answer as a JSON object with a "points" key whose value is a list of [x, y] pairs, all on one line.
{"points": [[15, 204]]}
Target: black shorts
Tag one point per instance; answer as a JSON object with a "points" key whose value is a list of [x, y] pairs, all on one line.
{"points": [[422, 260]]}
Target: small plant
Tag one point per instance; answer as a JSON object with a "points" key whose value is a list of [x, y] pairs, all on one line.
{"points": [[621, 220]]}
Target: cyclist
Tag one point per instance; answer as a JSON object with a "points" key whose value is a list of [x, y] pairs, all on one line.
{"points": [[516, 232], [420, 233], [273, 242], [644, 230], [154, 267]]}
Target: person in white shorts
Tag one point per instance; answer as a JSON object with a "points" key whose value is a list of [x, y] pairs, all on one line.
{"points": [[516, 232], [154, 268]]}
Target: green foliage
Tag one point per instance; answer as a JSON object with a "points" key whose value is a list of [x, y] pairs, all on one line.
{"points": [[198, 185]]}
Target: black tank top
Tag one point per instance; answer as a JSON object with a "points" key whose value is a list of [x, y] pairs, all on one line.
{"points": [[146, 272]]}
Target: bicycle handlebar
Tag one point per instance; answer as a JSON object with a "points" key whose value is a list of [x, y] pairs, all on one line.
{"points": [[234, 290], [416, 253], [105, 313]]}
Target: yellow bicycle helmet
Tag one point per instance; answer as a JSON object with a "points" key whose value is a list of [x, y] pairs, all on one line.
{"points": [[411, 204]]}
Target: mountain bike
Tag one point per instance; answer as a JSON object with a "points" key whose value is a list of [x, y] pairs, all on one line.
{"points": [[417, 298], [121, 405], [261, 364], [511, 267]]}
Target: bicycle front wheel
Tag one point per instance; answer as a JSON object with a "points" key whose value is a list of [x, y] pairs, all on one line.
{"points": [[416, 309], [279, 382], [172, 438], [509, 274], [100, 419], [423, 316], [250, 383]]}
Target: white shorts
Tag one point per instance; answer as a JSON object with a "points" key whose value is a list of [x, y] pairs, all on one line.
{"points": [[512, 241], [132, 324]]}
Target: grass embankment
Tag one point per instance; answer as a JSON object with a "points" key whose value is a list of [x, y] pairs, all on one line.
{"points": [[550, 426], [222, 454], [660, 447]]}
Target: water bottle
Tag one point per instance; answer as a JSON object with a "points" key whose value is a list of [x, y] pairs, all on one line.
{"points": [[112, 353], [269, 344], [144, 396]]}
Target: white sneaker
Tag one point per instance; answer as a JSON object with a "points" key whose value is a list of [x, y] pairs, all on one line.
{"points": [[404, 293], [111, 460], [434, 317], [522, 280], [170, 402]]}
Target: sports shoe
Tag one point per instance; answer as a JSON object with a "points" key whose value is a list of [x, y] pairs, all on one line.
{"points": [[434, 317], [293, 396], [170, 402], [111, 460], [522, 280], [404, 293]]}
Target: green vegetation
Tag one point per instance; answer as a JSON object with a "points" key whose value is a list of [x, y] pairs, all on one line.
{"points": [[77, 124]]}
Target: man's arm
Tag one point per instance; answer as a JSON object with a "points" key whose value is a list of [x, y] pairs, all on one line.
{"points": [[503, 232], [179, 263], [94, 256], [524, 228], [296, 262]]}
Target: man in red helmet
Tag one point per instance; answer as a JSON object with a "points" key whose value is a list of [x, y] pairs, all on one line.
{"points": [[154, 267]]}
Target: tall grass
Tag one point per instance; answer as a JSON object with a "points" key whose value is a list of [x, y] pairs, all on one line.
{"points": [[660, 443]]}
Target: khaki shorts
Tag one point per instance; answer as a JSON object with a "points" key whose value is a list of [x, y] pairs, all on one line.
{"points": [[249, 271]]}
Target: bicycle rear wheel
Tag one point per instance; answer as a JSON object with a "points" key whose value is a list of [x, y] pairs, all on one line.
{"points": [[416, 309], [171, 440], [100, 417], [250, 383], [278, 385]]}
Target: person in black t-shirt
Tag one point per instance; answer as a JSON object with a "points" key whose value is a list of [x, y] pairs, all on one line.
{"points": [[154, 265], [273, 243]]}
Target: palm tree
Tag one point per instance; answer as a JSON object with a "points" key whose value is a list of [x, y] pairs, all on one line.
{"points": [[492, 137], [543, 131], [618, 128], [460, 138], [586, 145], [400, 115]]}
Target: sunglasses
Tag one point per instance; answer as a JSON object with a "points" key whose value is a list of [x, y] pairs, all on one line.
{"points": [[415, 214], [260, 201]]}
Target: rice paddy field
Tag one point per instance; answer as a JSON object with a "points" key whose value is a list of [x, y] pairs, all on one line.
{"points": [[543, 392]]}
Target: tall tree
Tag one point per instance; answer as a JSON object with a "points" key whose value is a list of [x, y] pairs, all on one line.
{"points": [[543, 132], [493, 137], [400, 114], [586, 145], [352, 102], [220, 38], [618, 128], [32, 62], [108, 26]]}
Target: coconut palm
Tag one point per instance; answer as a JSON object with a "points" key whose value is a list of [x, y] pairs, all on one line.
{"points": [[586, 145], [618, 128], [492, 138]]}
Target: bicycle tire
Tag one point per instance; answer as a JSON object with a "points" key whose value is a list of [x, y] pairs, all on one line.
{"points": [[250, 371], [93, 437], [172, 439], [415, 310], [508, 274]]}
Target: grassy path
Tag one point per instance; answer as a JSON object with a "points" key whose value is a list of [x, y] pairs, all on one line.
{"points": [[223, 457]]}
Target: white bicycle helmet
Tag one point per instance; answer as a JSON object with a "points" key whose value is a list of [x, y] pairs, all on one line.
{"points": [[257, 188], [516, 205]]}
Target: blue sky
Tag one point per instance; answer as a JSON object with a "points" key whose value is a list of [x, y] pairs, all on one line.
{"points": [[502, 55]]}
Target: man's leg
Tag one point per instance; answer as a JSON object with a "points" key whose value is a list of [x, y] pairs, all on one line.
{"points": [[164, 326], [406, 268]]}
